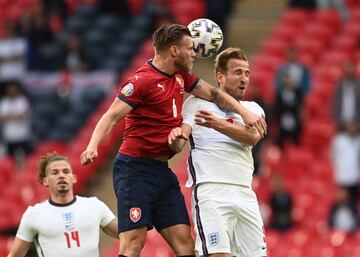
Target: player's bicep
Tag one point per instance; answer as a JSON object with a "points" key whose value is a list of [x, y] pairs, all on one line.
{"points": [[19, 248], [118, 110], [111, 229]]}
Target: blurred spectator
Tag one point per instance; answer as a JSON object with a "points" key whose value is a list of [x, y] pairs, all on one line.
{"points": [[339, 5], [218, 12], [118, 7], [288, 109], [12, 55], [39, 36], [343, 215], [163, 14], [347, 99], [281, 205], [14, 117], [74, 58], [298, 73], [346, 161], [306, 4], [56, 7]]}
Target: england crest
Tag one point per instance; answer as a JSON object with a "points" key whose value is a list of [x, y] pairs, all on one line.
{"points": [[214, 238], [135, 214]]}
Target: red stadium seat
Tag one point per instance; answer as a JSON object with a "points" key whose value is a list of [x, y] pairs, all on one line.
{"points": [[285, 32], [266, 62], [352, 28], [295, 17], [274, 46], [311, 46], [328, 17], [345, 43], [318, 31], [355, 13]]}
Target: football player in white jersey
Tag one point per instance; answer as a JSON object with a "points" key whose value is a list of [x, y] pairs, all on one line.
{"points": [[66, 224], [225, 210]]}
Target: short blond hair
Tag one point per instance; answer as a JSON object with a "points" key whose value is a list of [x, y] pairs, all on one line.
{"points": [[224, 56]]}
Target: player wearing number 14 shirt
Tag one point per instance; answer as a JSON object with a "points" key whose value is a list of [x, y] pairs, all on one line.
{"points": [[65, 225]]}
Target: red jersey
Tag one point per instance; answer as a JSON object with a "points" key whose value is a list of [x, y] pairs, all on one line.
{"points": [[157, 99]]}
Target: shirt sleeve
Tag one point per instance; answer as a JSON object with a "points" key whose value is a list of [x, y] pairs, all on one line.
{"points": [[26, 230], [106, 214], [190, 108], [132, 91], [190, 80]]}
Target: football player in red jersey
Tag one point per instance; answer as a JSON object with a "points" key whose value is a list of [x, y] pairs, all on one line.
{"points": [[148, 192]]}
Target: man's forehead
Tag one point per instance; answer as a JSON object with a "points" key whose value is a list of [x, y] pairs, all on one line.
{"points": [[59, 164], [238, 64]]}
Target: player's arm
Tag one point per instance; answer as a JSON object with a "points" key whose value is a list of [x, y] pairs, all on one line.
{"points": [[238, 132], [112, 116], [112, 229], [178, 137], [19, 248], [228, 103]]}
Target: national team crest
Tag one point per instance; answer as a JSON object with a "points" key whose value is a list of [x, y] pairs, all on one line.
{"points": [[214, 238], [135, 214], [180, 81], [128, 89]]}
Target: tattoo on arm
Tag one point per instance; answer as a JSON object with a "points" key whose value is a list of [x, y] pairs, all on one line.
{"points": [[198, 85], [219, 100]]}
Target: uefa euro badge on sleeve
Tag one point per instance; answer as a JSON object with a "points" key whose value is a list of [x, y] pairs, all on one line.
{"points": [[128, 89], [135, 214]]}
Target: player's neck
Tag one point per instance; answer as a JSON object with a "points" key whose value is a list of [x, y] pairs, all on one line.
{"points": [[164, 64], [62, 198]]}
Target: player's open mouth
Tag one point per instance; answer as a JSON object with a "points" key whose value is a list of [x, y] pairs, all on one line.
{"points": [[62, 183]]}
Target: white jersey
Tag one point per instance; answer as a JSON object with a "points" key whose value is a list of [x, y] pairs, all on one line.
{"points": [[215, 157], [70, 230]]}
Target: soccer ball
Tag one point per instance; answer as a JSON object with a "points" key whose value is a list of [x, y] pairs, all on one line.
{"points": [[207, 37]]}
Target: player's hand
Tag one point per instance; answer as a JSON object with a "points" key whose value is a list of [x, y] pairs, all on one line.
{"points": [[257, 122], [207, 119], [89, 155], [176, 133]]}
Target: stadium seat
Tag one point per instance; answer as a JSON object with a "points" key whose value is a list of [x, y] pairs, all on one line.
{"points": [[355, 13], [345, 43], [310, 46], [274, 46], [295, 17], [318, 31], [352, 28], [328, 17], [285, 32]]}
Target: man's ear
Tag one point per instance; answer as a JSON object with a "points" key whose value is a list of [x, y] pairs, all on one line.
{"points": [[174, 51], [45, 182], [75, 178], [220, 78]]}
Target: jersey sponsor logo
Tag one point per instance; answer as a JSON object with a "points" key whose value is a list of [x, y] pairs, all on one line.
{"points": [[128, 89], [214, 238], [180, 81], [137, 77], [135, 214]]}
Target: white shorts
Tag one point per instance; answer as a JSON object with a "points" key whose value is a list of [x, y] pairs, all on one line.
{"points": [[227, 220]]}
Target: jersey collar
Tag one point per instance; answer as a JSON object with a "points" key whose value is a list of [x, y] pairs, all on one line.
{"points": [[153, 66], [62, 204]]}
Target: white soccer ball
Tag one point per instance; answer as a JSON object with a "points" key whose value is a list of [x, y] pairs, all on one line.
{"points": [[207, 36]]}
